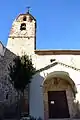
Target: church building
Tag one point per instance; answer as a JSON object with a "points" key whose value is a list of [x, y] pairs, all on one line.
{"points": [[55, 88]]}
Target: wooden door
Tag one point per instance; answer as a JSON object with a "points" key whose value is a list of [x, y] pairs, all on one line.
{"points": [[57, 103]]}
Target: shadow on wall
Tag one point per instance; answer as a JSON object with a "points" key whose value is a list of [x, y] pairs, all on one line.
{"points": [[36, 96]]}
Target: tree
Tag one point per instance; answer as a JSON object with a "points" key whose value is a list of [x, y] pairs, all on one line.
{"points": [[21, 71]]}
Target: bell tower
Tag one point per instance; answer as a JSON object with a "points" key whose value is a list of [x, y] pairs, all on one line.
{"points": [[22, 37]]}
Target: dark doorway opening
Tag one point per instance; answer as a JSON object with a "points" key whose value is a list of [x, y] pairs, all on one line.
{"points": [[57, 104]]}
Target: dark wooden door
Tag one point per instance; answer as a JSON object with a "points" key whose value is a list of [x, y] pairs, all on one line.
{"points": [[57, 103]]}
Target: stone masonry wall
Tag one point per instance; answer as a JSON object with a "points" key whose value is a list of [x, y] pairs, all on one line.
{"points": [[6, 87]]}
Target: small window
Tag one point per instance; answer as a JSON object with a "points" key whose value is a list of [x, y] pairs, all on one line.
{"points": [[23, 26], [24, 18]]}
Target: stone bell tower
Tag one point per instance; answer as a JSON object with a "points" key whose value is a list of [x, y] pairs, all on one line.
{"points": [[22, 37]]}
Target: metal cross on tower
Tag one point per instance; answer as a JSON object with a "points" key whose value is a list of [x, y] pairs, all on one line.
{"points": [[28, 9]]}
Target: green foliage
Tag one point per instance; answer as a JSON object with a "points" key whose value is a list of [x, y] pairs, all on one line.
{"points": [[21, 72]]}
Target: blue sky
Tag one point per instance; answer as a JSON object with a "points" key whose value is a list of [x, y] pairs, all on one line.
{"points": [[58, 21]]}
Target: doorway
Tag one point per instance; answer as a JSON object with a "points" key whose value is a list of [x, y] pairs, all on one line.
{"points": [[57, 104]]}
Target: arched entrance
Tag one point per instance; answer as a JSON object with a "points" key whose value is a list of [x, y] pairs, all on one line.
{"points": [[58, 91]]}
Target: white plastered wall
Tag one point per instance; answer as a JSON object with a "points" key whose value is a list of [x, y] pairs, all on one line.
{"points": [[36, 91]]}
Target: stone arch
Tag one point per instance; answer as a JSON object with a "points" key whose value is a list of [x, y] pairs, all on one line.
{"points": [[59, 81]]}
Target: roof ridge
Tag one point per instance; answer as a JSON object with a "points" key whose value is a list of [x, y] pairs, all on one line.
{"points": [[77, 69], [55, 63]]}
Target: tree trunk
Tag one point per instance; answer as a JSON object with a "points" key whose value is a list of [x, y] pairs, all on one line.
{"points": [[22, 103], [25, 101], [28, 96], [18, 106]]}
